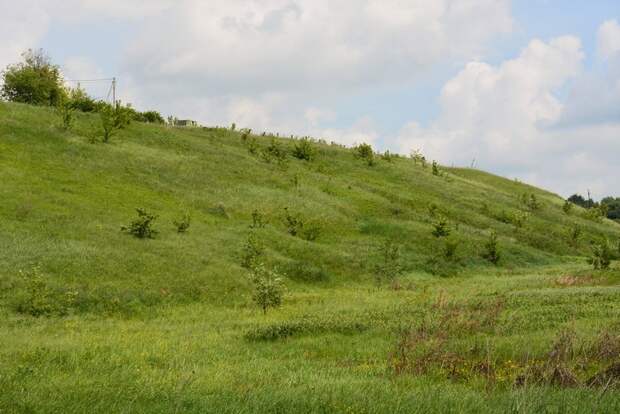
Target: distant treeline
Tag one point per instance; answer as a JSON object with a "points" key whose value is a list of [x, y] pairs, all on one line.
{"points": [[610, 205]]}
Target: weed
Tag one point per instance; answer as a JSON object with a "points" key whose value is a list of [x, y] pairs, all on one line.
{"points": [[66, 114], [294, 224], [142, 227], [573, 235], [182, 224]]}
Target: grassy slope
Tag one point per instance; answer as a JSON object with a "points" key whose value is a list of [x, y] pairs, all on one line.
{"points": [[159, 324]]}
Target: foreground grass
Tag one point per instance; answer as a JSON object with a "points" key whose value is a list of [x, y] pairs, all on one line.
{"points": [[168, 325], [196, 358]]}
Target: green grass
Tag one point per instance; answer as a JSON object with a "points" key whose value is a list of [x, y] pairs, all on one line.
{"points": [[168, 325]]}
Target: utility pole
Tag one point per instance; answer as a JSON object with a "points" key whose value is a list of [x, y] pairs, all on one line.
{"points": [[114, 90]]}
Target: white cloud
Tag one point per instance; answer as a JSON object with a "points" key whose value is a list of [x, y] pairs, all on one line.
{"points": [[21, 28], [511, 120], [609, 39]]}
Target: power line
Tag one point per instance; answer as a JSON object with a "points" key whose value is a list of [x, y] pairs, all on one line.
{"points": [[89, 80]]}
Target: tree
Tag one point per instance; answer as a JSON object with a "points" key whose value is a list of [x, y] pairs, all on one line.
{"points": [[34, 81], [613, 207], [268, 287]]}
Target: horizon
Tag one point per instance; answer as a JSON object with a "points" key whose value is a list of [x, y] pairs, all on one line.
{"points": [[529, 90]]}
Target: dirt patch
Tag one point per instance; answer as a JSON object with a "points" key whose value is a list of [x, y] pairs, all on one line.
{"points": [[569, 280]]}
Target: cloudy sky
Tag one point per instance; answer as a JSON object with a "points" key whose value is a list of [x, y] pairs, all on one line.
{"points": [[528, 89]]}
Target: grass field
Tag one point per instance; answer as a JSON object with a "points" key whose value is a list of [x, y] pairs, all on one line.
{"points": [[95, 320]]}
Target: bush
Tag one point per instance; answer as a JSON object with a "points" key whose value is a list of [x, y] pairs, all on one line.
{"points": [[80, 101], [253, 252], [435, 168], [491, 249], [34, 81], [258, 221], [601, 255], [388, 156], [182, 225], [142, 227], [275, 152], [519, 218], [268, 288], [112, 119], [304, 150], [417, 157], [38, 299], [530, 201], [294, 224], [441, 227], [389, 266], [65, 113], [567, 207], [366, 153], [573, 235]]}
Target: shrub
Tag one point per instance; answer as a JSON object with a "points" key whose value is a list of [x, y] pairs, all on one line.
{"points": [[38, 299], [450, 248], [567, 207], [183, 223], [491, 249], [142, 227], [274, 152], [435, 168], [519, 218], [388, 156], [81, 101], [113, 118], [441, 227], [65, 113], [268, 288], [366, 153], [245, 133], [417, 157], [601, 255], [253, 252], [294, 224], [389, 266], [573, 235], [34, 81], [530, 201], [304, 150], [258, 221], [594, 214]]}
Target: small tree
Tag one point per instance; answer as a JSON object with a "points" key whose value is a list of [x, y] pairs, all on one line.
{"points": [[389, 266], [601, 255], [366, 153], [142, 227], [253, 252], [268, 287], [491, 249], [65, 113], [304, 150], [441, 227], [34, 81], [418, 157], [573, 235]]}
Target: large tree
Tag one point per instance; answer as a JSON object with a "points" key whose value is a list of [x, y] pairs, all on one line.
{"points": [[34, 81]]}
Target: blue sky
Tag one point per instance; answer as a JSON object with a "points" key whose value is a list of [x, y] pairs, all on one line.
{"points": [[510, 83]]}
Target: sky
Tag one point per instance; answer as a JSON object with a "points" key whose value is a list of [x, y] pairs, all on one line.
{"points": [[528, 89]]}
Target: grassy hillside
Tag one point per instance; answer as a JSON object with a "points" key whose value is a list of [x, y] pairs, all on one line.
{"points": [[122, 324]]}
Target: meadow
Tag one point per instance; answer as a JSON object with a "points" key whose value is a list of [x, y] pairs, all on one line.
{"points": [[93, 319]]}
